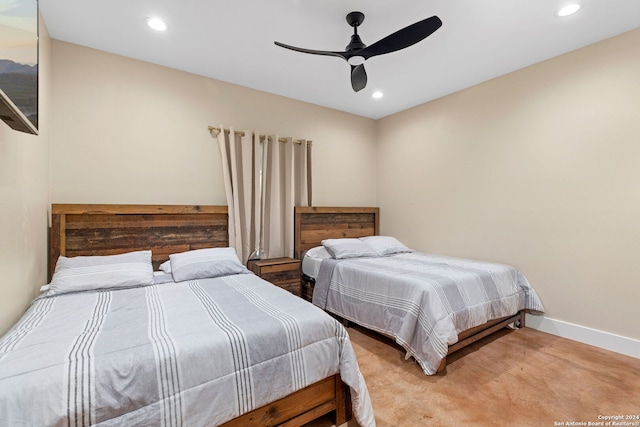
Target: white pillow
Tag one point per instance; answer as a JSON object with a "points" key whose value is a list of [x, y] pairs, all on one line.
{"points": [[203, 263], [385, 245], [83, 273], [166, 266], [347, 248], [318, 252]]}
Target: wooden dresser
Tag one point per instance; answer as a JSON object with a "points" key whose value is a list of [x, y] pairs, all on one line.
{"points": [[282, 272]]}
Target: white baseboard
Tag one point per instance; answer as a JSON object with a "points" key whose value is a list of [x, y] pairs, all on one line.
{"points": [[605, 340]]}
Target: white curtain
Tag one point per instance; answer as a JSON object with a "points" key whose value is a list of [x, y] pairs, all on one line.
{"points": [[265, 177], [286, 183], [240, 152]]}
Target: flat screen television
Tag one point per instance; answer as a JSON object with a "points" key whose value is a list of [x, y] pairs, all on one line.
{"points": [[19, 64]]}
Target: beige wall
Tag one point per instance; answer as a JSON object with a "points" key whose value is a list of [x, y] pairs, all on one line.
{"points": [[538, 169], [24, 200], [127, 131]]}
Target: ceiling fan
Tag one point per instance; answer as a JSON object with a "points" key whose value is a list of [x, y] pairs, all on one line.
{"points": [[357, 52]]}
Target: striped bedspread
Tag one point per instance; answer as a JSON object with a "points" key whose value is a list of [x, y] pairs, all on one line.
{"points": [[195, 353], [422, 301]]}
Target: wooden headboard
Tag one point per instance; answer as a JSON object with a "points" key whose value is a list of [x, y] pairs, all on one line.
{"points": [[314, 224], [114, 229]]}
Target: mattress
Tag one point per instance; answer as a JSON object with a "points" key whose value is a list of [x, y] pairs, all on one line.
{"points": [[312, 260], [196, 353]]}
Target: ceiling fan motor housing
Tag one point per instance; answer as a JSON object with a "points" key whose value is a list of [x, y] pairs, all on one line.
{"points": [[355, 44]]}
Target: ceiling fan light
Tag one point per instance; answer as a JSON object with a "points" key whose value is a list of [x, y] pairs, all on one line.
{"points": [[356, 60], [377, 95], [156, 23], [568, 10]]}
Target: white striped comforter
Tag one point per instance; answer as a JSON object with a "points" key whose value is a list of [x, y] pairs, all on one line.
{"points": [[422, 301], [195, 353]]}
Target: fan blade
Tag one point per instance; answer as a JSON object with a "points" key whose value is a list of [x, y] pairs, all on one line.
{"points": [[313, 52], [358, 77], [405, 37]]}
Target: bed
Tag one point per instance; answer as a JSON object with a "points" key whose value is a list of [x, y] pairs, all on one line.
{"points": [[230, 350], [431, 305]]}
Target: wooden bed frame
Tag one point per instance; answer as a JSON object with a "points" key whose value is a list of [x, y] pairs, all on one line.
{"points": [[313, 224], [166, 229]]}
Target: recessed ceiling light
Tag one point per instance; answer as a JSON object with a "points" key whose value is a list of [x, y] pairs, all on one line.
{"points": [[377, 94], [157, 24], [567, 10]]}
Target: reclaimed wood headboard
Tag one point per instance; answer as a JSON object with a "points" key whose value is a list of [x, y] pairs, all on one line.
{"points": [[81, 229], [316, 223]]}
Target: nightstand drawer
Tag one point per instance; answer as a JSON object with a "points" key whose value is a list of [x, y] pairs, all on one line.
{"points": [[282, 272]]}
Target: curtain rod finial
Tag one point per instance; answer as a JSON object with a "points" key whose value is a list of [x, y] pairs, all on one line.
{"points": [[214, 131]]}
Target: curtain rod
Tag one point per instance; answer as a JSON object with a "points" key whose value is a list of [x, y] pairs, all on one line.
{"points": [[218, 130]]}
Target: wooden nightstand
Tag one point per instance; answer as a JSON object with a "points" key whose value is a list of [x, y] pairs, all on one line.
{"points": [[282, 272]]}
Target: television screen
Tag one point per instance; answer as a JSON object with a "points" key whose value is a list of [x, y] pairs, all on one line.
{"points": [[19, 64]]}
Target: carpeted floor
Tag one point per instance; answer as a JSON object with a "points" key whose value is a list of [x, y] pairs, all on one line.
{"points": [[513, 378]]}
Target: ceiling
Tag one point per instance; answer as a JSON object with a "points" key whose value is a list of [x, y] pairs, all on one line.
{"points": [[232, 41]]}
